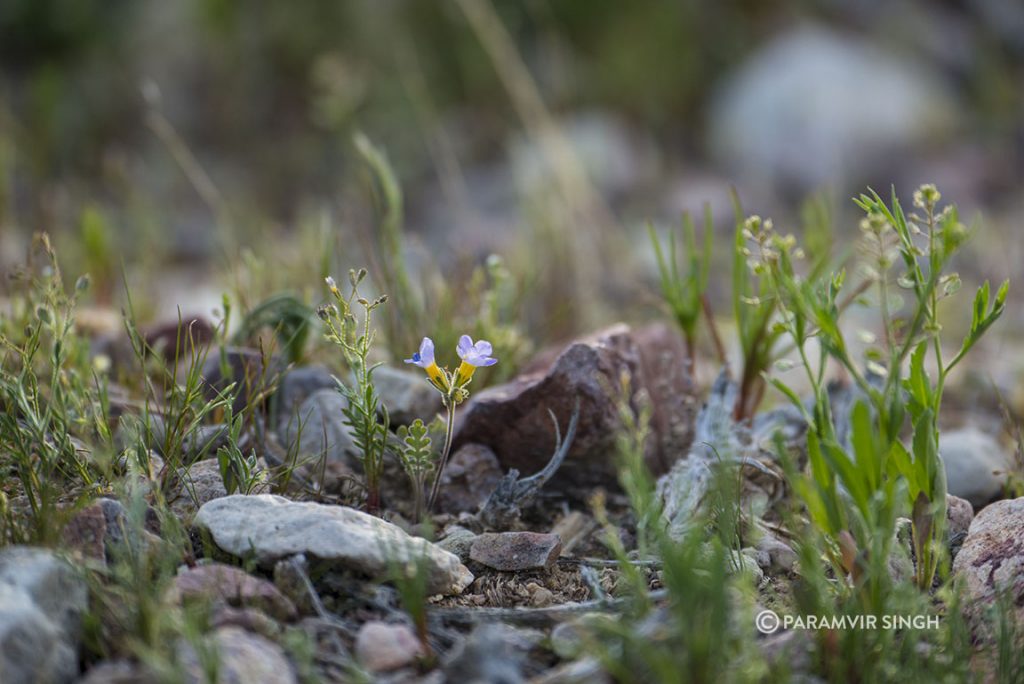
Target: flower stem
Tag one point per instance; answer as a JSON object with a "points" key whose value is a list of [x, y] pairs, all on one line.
{"points": [[448, 435]]}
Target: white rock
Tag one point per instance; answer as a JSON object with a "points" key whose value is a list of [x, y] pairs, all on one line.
{"points": [[976, 465], [268, 528]]}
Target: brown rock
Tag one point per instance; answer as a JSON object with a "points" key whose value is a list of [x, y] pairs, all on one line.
{"points": [[513, 420], [86, 532], [226, 584], [992, 557], [469, 478], [510, 551], [382, 647]]}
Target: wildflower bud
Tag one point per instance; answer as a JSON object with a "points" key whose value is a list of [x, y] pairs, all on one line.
{"points": [[380, 300], [83, 282], [326, 311], [355, 277], [363, 301], [927, 196], [331, 284], [44, 315]]}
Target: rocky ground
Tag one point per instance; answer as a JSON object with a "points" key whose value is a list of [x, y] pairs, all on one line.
{"points": [[509, 580]]}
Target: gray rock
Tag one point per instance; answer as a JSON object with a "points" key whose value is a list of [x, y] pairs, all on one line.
{"points": [[118, 672], [296, 386], [42, 600], [382, 647], [267, 528], [225, 584], [781, 556], [992, 557], [33, 648], [976, 465], [52, 584], [457, 540], [406, 395], [202, 442], [788, 113], [320, 431], [242, 657], [199, 483], [510, 551], [469, 478], [491, 653], [959, 514]]}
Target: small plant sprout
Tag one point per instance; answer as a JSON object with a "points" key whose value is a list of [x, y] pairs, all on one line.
{"points": [[364, 413], [452, 386], [417, 459]]}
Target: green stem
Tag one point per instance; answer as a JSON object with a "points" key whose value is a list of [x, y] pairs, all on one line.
{"points": [[448, 435]]}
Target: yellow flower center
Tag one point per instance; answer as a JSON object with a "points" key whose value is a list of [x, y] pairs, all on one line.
{"points": [[464, 373], [437, 375]]}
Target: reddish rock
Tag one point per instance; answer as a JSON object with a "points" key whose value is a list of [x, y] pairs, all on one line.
{"points": [[513, 420], [510, 551], [382, 647], [226, 584], [86, 533], [469, 478]]}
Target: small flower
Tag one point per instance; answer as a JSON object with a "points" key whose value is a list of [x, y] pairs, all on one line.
{"points": [[473, 355], [331, 285], [424, 358]]}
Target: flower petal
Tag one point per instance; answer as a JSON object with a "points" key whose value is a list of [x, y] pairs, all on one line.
{"points": [[465, 346]]}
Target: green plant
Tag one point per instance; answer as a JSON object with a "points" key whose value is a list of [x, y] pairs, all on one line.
{"points": [[698, 635], [853, 487], [286, 316], [240, 473], [453, 386], [412, 581], [50, 395], [364, 412], [418, 460], [685, 293]]}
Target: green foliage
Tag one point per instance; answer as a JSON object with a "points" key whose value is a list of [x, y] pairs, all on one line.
{"points": [[418, 459], [50, 395], [240, 473], [287, 317], [853, 489], [364, 413], [684, 292], [702, 634]]}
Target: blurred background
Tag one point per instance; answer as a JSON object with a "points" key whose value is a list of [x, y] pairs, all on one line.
{"points": [[200, 147]]}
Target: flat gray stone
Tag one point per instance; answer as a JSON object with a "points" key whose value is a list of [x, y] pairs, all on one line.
{"points": [[267, 528]]}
